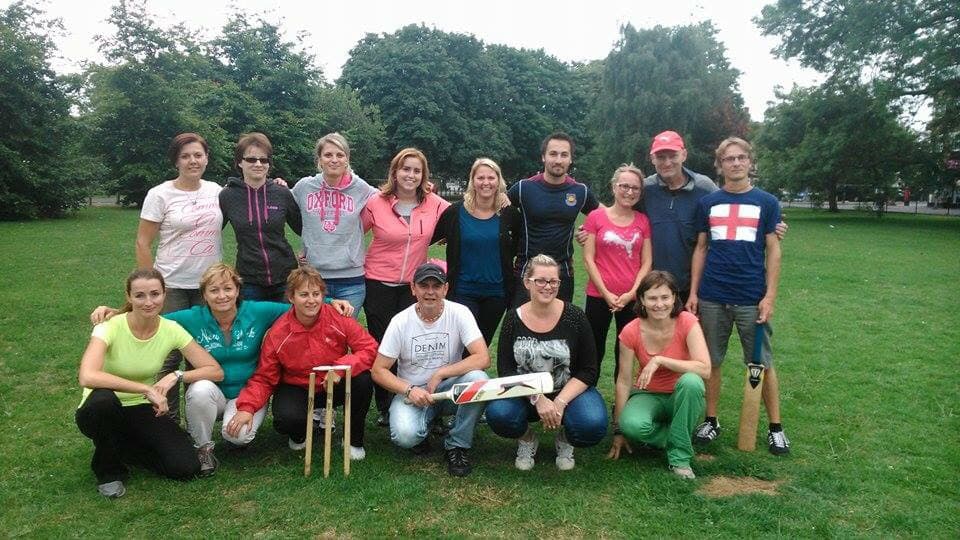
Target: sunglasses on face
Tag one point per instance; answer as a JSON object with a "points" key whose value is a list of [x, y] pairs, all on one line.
{"points": [[252, 160]]}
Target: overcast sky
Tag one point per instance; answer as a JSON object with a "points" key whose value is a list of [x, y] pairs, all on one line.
{"points": [[568, 30]]}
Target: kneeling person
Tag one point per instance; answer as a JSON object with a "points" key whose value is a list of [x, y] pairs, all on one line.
{"points": [[426, 340]]}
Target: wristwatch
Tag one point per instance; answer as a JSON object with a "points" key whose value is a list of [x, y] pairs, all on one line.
{"points": [[406, 393], [179, 375]]}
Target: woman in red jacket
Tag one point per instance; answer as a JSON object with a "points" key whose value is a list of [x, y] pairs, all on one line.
{"points": [[310, 334]]}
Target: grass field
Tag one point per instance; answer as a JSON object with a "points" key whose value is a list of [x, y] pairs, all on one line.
{"points": [[867, 346]]}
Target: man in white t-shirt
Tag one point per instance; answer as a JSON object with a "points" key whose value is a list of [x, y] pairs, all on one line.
{"points": [[427, 340]]}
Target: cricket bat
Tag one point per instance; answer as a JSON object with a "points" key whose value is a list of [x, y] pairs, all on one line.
{"points": [[752, 394], [527, 384]]}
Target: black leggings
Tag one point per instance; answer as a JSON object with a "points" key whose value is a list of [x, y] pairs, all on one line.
{"points": [[599, 315], [380, 305], [290, 407], [134, 435]]}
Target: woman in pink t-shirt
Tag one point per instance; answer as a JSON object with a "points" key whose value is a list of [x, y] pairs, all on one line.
{"points": [[617, 255], [662, 405]]}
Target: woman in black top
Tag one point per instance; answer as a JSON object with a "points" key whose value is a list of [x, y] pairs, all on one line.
{"points": [[480, 246], [548, 334]]}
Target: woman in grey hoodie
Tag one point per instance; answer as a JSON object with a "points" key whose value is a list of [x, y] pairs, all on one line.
{"points": [[258, 210], [330, 205]]}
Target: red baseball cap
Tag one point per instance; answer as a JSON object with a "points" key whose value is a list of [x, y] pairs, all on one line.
{"points": [[668, 140]]}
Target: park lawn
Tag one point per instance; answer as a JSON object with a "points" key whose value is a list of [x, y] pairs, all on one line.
{"points": [[866, 344]]}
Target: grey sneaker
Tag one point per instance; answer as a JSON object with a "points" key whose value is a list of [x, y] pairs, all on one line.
{"points": [[565, 460], [526, 451], [683, 472], [112, 490], [706, 433], [208, 461], [779, 444], [320, 419]]}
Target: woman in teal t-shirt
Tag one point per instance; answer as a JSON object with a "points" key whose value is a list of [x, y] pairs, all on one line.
{"points": [[123, 409], [232, 331]]}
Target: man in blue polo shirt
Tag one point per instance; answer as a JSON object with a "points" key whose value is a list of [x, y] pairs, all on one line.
{"points": [[734, 277], [549, 203]]}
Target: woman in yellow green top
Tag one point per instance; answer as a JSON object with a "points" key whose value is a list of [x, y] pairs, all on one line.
{"points": [[123, 409]]}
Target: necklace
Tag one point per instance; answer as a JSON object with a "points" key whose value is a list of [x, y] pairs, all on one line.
{"points": [[429, 319]]}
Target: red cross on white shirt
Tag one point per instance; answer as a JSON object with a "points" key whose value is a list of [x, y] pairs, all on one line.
{"points": [[734, 222]]}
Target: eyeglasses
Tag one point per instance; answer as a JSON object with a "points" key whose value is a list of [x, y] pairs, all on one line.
{"points": [[540, 282], [628, 187], [733, 159], [252, 160]]}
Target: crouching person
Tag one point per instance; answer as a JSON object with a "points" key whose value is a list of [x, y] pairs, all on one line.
{"points": [[427, 340], [310, 334]]}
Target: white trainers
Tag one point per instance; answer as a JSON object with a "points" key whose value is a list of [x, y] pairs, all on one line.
{"points": [[320, 419], [296, 445], [683, 472], [357, 453], [526, 450], [565, 460], [112, 490]]}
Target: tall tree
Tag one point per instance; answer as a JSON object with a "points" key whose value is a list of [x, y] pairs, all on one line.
{"points": [[836, 141], [664, 79], [37, 176], [908, 47]]}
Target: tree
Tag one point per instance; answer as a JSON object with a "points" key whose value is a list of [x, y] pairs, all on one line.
{"points": [[37, 176], [664, 78], [908, 47], [837, 141]]}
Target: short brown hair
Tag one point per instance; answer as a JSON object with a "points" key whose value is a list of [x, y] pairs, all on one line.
{"points": [[251, 139], [181, 140], [303, 276], [653, 280], [556, 136], [728, 142]]}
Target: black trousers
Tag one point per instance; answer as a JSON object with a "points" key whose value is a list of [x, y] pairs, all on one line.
{"points": [[599, 315], [486, 310], [134, 435], [290, 407], [380, 305]]}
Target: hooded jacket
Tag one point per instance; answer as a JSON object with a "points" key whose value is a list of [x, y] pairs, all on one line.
{"points": [[332, 230], [258, 216]]}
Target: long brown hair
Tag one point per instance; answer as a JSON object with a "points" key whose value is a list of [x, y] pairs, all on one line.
{"points": [[390, 186], [142, 273]]}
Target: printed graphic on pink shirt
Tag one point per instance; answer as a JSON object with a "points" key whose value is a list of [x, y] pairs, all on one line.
{"points": [[612, 238], [734, 222]]}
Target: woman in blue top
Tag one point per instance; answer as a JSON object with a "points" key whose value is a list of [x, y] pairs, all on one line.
{"points": [[480, 246], [232, 332]]}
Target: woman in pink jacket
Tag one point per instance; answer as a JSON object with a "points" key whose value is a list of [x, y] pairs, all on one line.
{"points": [[402, 217]]}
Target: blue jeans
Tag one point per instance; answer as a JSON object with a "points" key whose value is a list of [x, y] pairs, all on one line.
{"points": [[584, 420], [410, 425], [355, 293], [266, 293]]}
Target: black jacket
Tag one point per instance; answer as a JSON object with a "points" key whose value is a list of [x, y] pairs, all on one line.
{"points": [[449, 228]]}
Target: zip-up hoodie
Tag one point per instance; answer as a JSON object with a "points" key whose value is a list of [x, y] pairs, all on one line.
{"points": [[332, 230], [258, 216], [399, 247]]}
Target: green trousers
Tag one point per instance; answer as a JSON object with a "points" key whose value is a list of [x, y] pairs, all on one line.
{"points": [[666, 420]]}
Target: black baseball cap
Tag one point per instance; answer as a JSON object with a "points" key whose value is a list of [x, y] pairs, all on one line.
{"points": [[429, 270]]}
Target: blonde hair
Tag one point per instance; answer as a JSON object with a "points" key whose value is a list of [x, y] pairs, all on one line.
{"points": [[539, 260], [219, 271], [470, 196], [728, 142], [335, 139], [390, 186], [630, 168], [304, 276]]}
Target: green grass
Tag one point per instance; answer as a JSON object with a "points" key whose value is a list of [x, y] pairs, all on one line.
{"points": [[866, 344]]}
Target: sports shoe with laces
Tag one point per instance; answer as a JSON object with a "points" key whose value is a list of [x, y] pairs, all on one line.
{"points": [[779, 444], [706, 433], [357, 453], [565, 460], [112, 490], [526, 450], [457, 462], [320, 419], [683, 472], [294, 445], [208, 461]]}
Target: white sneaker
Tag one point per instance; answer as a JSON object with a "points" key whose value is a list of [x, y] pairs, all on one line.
{"points": [[683, 472], [357, 453], [565, 460], [296, 445], [320, 418], [526, 450]]}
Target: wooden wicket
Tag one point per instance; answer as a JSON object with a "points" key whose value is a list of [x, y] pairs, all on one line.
{"points": [[331, 379]]}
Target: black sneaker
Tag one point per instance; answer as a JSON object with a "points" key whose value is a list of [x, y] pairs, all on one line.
{"points": [[779, 444], [423, 448], [706, 433], [457, 462]]}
